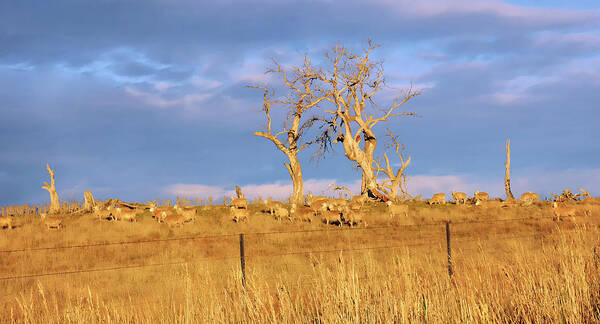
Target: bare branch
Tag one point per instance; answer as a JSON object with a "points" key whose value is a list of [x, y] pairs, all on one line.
{"points": [[336, 188]]}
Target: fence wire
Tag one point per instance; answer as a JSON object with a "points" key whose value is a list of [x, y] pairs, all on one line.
{"points": [[196, 260]]}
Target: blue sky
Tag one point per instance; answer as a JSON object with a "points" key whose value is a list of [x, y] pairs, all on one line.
{"points": [[147, 99]]}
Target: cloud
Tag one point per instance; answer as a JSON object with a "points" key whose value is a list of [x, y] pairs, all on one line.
{"points": [[511, 14], [425, 185], [195, 190], [279, 190], [157, 100]]}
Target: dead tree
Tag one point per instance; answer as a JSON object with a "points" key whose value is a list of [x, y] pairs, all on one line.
{"points": [[289, 140], [509, 195], [88, 201], [395, 181], [54, 200], [238, 192], [350, 85]]}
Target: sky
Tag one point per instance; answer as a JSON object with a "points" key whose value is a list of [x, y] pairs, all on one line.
{"points": [[149, 99]]}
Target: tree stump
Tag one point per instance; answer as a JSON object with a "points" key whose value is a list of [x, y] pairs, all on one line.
{"points": [[88, 201]]}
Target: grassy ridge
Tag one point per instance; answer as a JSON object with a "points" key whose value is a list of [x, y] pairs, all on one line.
{"points": [[532, 270]]}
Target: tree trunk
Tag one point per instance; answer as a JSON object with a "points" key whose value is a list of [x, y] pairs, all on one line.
{"points": [[365, 160], [509, 195], [395, 185], [54, 200], [88, 201], [296, 174]]}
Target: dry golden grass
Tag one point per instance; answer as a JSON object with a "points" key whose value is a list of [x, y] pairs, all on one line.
{"points": [[529, 270]]}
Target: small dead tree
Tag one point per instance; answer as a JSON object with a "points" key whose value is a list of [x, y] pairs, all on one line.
{"points": [[238, 192], [509, 195], [88, 201], [289, 140], [54, 200], [349, 86], [395, 181]]}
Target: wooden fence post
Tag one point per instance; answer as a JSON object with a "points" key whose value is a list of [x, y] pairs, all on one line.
{"points": [[450, 270], [242, 261]]}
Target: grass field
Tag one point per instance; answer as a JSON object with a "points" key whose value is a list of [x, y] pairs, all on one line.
{"points": [[510, 265]]}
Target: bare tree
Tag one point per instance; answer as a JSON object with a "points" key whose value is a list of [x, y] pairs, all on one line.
{"points": [[299, 99], [396, 180], [509, 194], [54, 200], [350, 85]]}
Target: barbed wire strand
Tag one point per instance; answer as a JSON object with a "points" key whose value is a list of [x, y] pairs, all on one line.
{"points": [[136, 266], [213, 236]]}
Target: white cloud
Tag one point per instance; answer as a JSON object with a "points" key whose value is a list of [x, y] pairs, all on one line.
{"points": [[195, 190], [158, 101], [518, 89], [162, 86], [522, 14], [279, 190], [205, 84]]}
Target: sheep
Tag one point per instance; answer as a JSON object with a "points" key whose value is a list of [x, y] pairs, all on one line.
{"points": [[530, 196], [303, 213], [562, 210], [396, 210], [159, 213], [51, 222], [355, 205], [281, 213], [172, 219], [271, 206], [125, 214], [240, 203], [481, 196], [6, 221], [239, 215], [310, 199], [459, 196], [331, 216], [102, 212], [490, 204], [189, 214], [321, 204], [438, 198], [353, 218], [338, 204]]}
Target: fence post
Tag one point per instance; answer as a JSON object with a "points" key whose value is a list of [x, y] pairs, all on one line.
{"points": [[450, 270], [242, 261]]}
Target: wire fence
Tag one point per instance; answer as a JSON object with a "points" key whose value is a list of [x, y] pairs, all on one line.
{"points": [[220, 236], [260, 253]]}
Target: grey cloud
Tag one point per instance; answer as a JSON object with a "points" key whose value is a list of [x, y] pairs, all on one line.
{"points": [[183, 32]]}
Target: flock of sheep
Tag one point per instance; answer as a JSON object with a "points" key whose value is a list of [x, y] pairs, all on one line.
{"points": [[336, 211]]}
